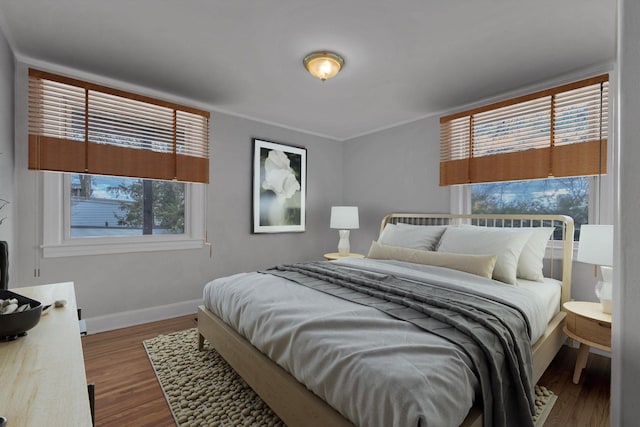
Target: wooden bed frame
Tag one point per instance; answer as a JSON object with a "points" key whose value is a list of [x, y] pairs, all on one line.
{"points": [[298, 406]]}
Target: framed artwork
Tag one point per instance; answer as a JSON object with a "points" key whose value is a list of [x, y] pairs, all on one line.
{"points": [[279, 187]]}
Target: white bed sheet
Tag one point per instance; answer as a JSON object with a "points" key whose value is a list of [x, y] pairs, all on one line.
{"points": [[371, 368], [548, 293]]}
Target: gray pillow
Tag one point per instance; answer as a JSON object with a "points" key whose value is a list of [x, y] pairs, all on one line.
{"points": [[424, 237]]}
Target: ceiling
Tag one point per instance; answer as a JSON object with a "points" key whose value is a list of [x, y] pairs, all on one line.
{"points": [[404, 59]]}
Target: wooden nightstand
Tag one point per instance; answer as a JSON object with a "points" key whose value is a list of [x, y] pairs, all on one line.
{"points": [[336, 255], [587, 324]]}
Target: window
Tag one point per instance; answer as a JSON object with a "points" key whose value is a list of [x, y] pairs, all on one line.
{"points": [[559, 196], [69, 229], [122, 155], [543, 153], [114, 206]]}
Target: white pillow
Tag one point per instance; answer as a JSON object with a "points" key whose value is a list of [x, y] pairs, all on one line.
{"points": [[530, 262], [424, 237], [506, 244], [480, 265]]}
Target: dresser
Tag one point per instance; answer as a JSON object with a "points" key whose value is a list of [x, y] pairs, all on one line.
{"points": [[42, 375]]}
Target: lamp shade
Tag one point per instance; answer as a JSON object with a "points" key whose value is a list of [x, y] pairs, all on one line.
{"points": [[344, 218], [596, 244]]}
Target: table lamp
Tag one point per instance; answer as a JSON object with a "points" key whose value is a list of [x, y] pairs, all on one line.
{"points": [[344, 218], [596, 247]]}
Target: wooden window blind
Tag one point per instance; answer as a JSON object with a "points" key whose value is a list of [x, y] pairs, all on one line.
{"points": [[80, 127], [556, 132]]}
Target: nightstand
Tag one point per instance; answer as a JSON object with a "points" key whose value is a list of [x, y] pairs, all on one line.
{"points": [[336, 255], [587, 324]]}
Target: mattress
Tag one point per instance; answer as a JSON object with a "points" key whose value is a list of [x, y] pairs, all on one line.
{"points": [[547, 293], [373, 369]]}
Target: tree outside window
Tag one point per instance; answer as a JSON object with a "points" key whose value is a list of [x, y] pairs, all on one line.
{"points": [[555, 196]]}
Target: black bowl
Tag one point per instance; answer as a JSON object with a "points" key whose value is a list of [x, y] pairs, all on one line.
{"points": [[17, 324]]}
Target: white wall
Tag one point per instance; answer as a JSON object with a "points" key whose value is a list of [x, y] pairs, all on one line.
{"points": [[625, 380], [111, 288], [6, 146]]}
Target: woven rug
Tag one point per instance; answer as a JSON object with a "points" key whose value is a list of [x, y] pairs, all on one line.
{"points": [[203, 390]]}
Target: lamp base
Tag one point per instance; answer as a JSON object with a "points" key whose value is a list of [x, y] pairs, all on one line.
{"points": [[343, 245], [606, 305], [604, 289]]}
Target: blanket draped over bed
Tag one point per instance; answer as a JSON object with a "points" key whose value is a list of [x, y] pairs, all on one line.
{"points": [[494, 335]]}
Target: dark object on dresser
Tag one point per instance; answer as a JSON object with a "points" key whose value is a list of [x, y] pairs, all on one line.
{"points": [[15, 325], [4, 265]]}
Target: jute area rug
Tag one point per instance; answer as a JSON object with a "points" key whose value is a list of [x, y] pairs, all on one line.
{"points": [[203, 390]]}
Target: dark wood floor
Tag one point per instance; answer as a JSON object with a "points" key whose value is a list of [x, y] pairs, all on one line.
{"points": [[583, 404], [128, 394]]}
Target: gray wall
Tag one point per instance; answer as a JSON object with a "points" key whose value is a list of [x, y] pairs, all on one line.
{"points": [[393, 170], [6, 146], [110, 284], [625, 384]]}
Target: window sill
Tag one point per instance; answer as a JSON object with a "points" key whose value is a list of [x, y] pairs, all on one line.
{"points": [[99, 246]]}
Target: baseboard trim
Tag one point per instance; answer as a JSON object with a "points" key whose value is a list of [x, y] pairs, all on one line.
{"points": [[125, 319]]}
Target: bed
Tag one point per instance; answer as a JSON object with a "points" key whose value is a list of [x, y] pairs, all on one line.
{"points": [[296, 404]]}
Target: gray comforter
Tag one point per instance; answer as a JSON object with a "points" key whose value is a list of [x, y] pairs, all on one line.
{"points": [[494, 335]]}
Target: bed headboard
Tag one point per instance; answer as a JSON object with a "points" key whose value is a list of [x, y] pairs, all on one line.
{"points": [[562, 237]]}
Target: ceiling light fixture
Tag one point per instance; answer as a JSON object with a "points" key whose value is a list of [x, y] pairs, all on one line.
{"points": [[323, 65]]}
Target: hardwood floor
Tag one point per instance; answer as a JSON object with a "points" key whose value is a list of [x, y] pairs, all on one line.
{"points": [[128, 394], [583, 404], [126, 389]]}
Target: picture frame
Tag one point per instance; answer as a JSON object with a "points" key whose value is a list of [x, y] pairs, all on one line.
{"points": [[279, 187]]}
